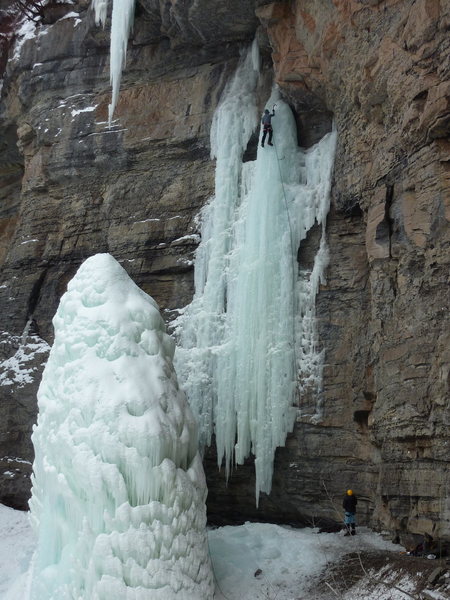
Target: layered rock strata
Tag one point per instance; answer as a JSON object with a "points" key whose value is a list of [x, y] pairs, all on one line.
{"points": [[72, 186], [380, 71]]}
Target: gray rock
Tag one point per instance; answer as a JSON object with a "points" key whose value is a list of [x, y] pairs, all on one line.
{"points": [[71, 186]]}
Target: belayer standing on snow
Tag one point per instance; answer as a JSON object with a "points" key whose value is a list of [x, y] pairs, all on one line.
{"points": [[349, 505], [267, 125]]}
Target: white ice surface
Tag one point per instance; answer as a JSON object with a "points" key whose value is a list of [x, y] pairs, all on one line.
{"points": [[249, 337], [17, 544], [118, 497], [100, 8], [291, 560]]}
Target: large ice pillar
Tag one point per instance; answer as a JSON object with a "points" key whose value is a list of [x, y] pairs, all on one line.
{"points": [[118, 495], [250, 329]]}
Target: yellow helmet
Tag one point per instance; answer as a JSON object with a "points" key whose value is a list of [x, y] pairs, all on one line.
{"points": [[349, 492]]}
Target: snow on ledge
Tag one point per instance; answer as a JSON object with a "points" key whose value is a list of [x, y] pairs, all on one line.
{"points": [[21, 368]]}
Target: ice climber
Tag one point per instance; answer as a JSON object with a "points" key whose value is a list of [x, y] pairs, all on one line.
{"points": [[349, 505], [267, 125]]}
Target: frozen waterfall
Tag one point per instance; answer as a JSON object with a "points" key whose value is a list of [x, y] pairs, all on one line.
{"points": [[250, 330], [118, 495]]}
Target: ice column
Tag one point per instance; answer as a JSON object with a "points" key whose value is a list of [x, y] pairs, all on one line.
{"points": [[238, 359], [203, 325], [118, 495], [121, 25]]}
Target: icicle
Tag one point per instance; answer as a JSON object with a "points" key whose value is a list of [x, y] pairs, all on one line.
{"points": [[26, 331], [100, 8], [203, 325], [238, 357], [121, 25], [256, 60]]}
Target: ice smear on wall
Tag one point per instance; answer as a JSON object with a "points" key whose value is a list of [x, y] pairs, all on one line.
{"points": [[312, 207], [121, 25], [118, 495], [238, 359]]}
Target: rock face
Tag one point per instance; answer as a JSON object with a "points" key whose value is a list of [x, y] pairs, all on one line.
{"points": [[71, 187], [382, 68]]}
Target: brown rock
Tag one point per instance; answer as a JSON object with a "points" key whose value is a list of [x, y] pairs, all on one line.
{"points": [[74, 186]]}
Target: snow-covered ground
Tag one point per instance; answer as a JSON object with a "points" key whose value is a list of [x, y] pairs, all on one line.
{"points": [[255, 561], [16, 546], [291, 561]]}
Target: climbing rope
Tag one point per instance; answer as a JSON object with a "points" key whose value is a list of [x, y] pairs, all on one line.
{"points": [[294, 276], [214, 571]]}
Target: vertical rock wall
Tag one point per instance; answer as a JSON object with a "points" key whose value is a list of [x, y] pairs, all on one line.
{"points": [[382, 68], [71, 187]]}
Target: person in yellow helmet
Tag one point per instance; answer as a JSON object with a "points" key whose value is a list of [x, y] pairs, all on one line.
{"points": [[349, 504]]}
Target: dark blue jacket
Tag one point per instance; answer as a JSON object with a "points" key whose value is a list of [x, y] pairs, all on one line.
{"points": [[267, 119], [349, 503]]}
